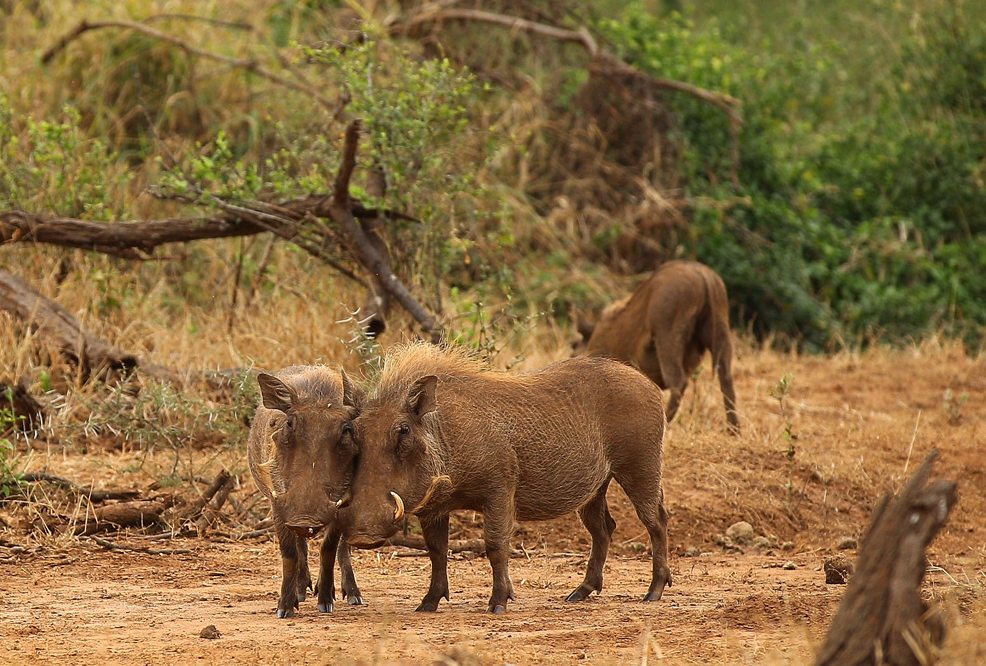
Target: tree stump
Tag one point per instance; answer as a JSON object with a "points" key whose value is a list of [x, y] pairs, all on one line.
{"points": [[882, 619]]}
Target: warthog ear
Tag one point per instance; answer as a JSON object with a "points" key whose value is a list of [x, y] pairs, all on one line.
{"points": [[421, 397], [276, 394], [352, 394], [584, 326]]}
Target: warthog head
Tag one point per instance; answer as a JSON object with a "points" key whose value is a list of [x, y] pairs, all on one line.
{"points": [[396, 465], [307, 461]]}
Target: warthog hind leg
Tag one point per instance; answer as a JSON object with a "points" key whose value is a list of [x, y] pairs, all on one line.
{"points": [[650, 509], [597, 519], [436, 539]]}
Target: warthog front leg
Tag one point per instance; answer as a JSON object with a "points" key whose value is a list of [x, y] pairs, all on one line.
{"points": [[499, 519], [349, 588], [295, 578], [435, 532], [325, 588]]}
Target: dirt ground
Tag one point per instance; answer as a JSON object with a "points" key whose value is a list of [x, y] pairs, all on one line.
{"points": [[859, 424]]}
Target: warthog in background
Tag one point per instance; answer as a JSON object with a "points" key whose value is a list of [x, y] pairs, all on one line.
{"points": [[665, 327], [441, 432], [301, 453]]}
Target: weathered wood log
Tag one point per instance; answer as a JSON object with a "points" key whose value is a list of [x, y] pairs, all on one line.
{"points": [[138, 513], [882, 619], [94, 496], [417, 542], [94, 355]]}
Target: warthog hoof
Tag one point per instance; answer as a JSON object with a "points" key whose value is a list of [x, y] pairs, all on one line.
{"points": [[497, 610], [325, 608], [282, 613], [427, 607], [355, 600], [581, 593]]}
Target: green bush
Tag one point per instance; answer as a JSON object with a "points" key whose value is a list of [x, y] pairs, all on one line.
{"points": [[844, 226]]}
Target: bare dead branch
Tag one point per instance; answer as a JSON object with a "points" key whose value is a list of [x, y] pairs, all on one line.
{"points": [[112, 545], [95, 356], [363, 248], [85, 26], [602, 59]]}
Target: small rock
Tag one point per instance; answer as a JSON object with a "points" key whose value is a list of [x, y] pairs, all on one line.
{"points": [[787, 545], [761, 543], [692, 551], [210, 632], [845, 543], [741, 532], [789, 565], [838, 568]]}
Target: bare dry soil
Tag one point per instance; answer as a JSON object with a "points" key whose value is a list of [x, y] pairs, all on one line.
{"points": [[806, 471]]}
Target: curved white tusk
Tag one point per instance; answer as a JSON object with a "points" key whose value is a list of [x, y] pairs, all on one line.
{"points": [[344, 500], [399, 511]]}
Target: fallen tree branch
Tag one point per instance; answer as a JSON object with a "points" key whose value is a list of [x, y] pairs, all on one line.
{"points": [[94, 355], [455, 546], [111, 545], [882, 619], [193, 511], [92, 495], [363, 248]]}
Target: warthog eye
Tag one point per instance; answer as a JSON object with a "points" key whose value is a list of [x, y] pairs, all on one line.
{"points": [[347, 429], [290, 423], [405, 429]]}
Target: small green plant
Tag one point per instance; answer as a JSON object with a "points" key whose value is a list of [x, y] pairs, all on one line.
{"points": [[780, 392], [10, 479], [953, 406]]}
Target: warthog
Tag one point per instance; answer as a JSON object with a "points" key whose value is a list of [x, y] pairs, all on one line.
{"points": [[441, 433], [665, 327], [301, 452]]}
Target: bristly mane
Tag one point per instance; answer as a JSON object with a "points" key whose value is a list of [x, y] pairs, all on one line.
{"points": [[316, 383], [407, 363]]}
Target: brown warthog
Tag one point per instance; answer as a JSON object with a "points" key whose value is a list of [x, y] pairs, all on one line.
{"points": [[301, 453], [665, 327], [441, 432]]}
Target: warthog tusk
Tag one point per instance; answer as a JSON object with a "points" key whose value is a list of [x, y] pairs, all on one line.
{"points": [[399, 511], [344, 500]]}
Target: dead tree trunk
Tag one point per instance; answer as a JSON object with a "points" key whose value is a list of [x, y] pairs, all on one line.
{"points": [[882, 619], [94, 355]]}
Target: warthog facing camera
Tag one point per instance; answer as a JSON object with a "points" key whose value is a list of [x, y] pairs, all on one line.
{"points": [[301, 452], [665, 327], [441, 432]]}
